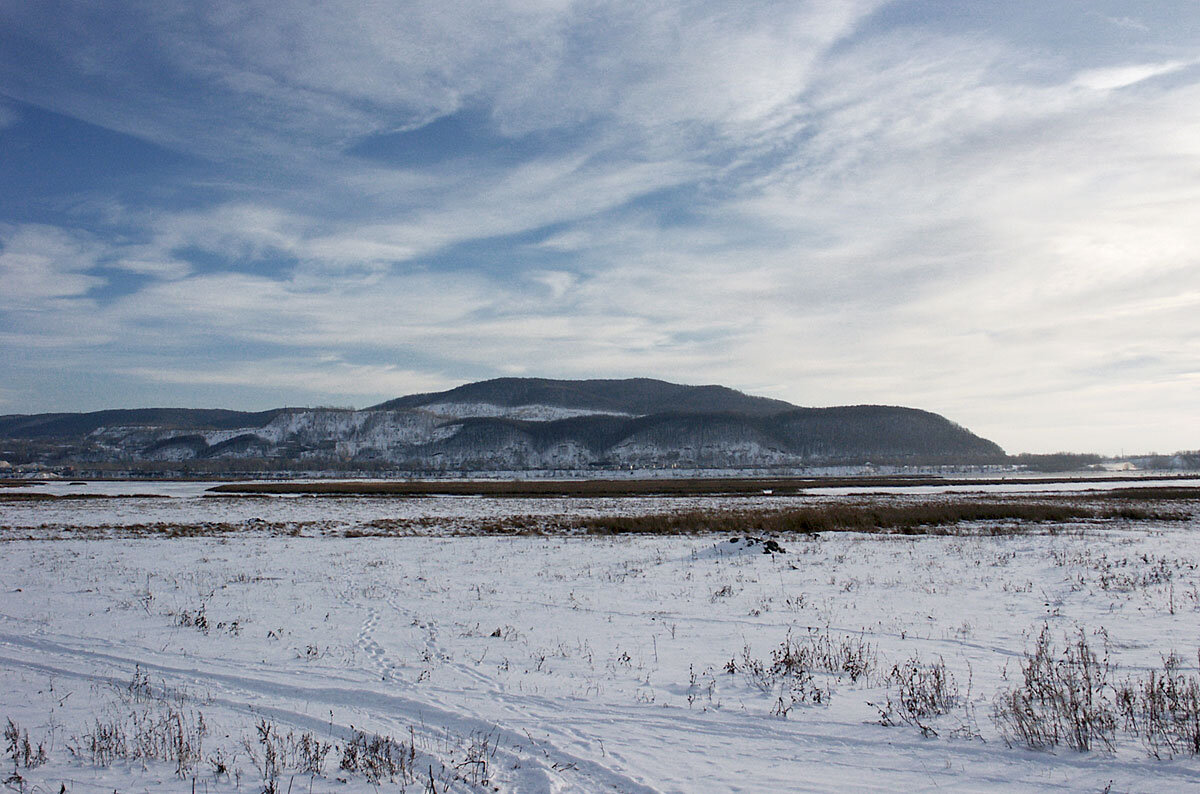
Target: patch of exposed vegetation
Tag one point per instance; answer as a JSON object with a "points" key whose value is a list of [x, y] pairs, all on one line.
{"points": [[144, 722], [920, 691], [1164, 494], [929, 517], [160, 529]]}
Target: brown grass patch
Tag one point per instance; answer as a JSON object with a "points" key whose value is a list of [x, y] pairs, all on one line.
{"points": [[917, 518], [1163, 494]]}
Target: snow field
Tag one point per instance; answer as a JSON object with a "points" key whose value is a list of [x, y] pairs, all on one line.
{"points": [[575, 663]]}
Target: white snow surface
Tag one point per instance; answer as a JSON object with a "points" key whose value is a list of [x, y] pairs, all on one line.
{"points": [[528, 413], [588, 663]]}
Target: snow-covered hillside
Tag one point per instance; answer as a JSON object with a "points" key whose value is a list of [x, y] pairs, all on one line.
{"points": [[525, 413], [513, 424]]}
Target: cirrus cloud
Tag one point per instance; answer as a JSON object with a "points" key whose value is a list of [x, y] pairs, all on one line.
{"points": [[827, 202]]}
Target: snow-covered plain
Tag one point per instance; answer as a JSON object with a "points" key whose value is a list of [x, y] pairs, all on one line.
{"points": [[560, 663]]}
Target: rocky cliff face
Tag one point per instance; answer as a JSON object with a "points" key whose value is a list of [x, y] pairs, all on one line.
{"points": [[519, 424]]}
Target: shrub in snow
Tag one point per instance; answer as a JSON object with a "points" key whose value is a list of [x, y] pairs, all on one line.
{"points": [[1062, 698], [1164, 709], [922, 690]]}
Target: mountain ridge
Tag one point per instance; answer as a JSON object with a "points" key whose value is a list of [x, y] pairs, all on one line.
{"points": [[637, 396], [514, 424]]}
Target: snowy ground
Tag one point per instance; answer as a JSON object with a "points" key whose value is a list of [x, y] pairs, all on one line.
{"points": [[560, 663]]}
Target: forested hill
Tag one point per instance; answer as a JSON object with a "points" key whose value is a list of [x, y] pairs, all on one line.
{"points": [[635, 396], [510, 424]]}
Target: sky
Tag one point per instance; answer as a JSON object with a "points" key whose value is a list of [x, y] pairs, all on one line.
{"points": [[986, 210]]}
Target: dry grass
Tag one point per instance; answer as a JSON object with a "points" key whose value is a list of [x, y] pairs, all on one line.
{"points": [[1163, 494], [922, 692], [159, 529], [1069, 697], [933, 515], [1163, 709], [927, 517]]}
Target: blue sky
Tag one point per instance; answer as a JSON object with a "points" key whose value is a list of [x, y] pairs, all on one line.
{"points": [[988, 210]]}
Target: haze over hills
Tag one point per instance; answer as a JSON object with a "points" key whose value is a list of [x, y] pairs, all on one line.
{"points": [[510, 424]]}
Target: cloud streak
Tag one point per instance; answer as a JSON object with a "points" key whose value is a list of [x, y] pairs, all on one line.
{"points": [[823, 202]]}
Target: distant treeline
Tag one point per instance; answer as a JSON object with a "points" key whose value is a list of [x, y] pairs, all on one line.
{"points": [[1056, 461], [1073, 461]]}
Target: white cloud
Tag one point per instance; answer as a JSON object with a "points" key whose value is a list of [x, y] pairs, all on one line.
{"points": [[956, 222], [164, 267], [536, 194], [307, 311], [736, 70], [40, 264], [1128, 22], [280, 79], [1115, 77], [300, 376], [8, 115]]}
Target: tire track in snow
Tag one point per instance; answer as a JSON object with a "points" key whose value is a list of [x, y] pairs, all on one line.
{"points": [[550, 769]]}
